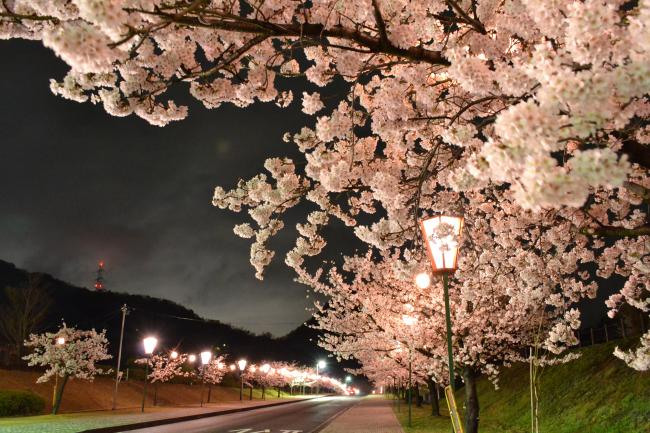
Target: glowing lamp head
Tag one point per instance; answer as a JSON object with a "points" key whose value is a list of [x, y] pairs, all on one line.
{"points": [[205, 357], [265, 368], [321, 364], [241, 364], [422, 280], [191, 358], [442, 238], [348, 379], [173, 354], [149, 344], [60, 341], [409, 320], [232, 367]]}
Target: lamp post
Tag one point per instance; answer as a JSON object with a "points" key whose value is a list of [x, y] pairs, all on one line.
{"points": [[149, 346], [266, 369], [60, 341], [205, 360], [319, 366], [442, 238], [241, 364], [410, 321]]}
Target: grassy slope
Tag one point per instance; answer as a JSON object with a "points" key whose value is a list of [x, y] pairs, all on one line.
{"points": [[81, 395], [594, 394]]}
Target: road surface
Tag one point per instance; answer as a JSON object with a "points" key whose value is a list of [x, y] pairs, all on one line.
{"points": [[304, 417]]}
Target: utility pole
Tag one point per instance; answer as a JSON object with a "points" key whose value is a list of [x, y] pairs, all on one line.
{"points": [[119, 357]]}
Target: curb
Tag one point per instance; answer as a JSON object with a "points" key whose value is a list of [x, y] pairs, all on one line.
{"points": [[163, 421]]}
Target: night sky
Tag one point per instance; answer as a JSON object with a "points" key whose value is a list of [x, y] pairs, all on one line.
{"points": [[78, 185]]}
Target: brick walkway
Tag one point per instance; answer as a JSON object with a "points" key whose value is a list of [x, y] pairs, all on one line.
{"points": [[371, 415]]}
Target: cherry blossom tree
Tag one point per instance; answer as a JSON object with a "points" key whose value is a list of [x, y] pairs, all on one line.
{"points": [[531, 110], [67, 353], [213, 373], [163, 368]]}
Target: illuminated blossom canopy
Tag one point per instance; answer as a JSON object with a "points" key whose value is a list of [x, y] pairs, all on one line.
{"points": [[535, 110]]}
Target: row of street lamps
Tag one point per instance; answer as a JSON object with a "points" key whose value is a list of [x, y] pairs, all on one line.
{"points": [[150, 344]]}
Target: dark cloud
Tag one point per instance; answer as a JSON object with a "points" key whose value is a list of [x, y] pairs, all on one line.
{"points": [[78, 185]]}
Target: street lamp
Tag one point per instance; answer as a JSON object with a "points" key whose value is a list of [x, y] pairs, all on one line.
{"points": [[442, 237], [242, 366], [173, 355], [410, 321], [149, 344], [60, 341], [191, 358], [319, 366], [205, 360], [422, 280], [348, 379]]}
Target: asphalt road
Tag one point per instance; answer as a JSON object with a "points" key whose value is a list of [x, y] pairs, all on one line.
{"points": [[304, 417]]}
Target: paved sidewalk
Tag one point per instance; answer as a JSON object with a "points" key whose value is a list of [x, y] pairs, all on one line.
{"points": [[371, 415], [75, 422]]}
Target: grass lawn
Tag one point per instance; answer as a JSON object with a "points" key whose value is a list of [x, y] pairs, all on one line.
{"points": [[597, 393], [75, 422]]}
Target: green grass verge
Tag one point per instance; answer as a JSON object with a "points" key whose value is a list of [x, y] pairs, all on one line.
{"points": [[597, 393]]}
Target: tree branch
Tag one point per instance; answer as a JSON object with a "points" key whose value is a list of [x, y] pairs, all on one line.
{"points": [[315, 32], [616, 232]]}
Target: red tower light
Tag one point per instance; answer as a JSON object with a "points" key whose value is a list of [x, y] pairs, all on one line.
{"points": [[99, 280]]}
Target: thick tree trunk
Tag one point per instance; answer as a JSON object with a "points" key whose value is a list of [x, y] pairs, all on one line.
{"points": [[433, 395], [471, 401], [59, 396]]}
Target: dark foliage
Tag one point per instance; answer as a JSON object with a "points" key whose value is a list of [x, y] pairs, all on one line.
{"points": [[13, 402]]}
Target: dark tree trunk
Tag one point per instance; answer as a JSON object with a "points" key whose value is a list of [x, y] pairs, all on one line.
{"points": [[59, 396], [209, 391], [278, 392], [418, 398], [433, 395], [155, 394], [471, 401]]}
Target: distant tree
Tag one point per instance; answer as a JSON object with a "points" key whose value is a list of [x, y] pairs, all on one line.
{"points": [[213, 373], [69, 352], [163, 368], [23, 310]]}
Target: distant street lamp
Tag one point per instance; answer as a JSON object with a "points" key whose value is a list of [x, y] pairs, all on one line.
{"points": [[149, 344], [60, 341], [422, 280], [442, 238], [410, 321], [319, 366], [348, 379], [191, 358], [173, 355], [205, 360], [242, 366]]}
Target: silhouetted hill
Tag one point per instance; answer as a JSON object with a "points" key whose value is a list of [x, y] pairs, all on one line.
{"points": [[173, 324]]}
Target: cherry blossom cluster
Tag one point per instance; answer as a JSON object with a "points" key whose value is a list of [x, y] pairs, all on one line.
{"points": [[69, 352], [528, 117], [165, 367]]}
